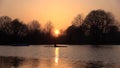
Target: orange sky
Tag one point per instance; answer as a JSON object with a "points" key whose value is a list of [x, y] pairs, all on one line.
{"points": [[59, 12]]}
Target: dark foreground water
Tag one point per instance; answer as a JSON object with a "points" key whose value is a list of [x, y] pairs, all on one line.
{"points": [[80, 56]]}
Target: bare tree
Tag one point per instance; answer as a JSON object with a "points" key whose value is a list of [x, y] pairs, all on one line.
{"points": [[78, 20], [48, 27], [34, 25], [5, 24]]}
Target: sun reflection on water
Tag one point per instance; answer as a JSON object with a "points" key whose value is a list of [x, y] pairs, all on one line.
{"points": [[56, 56]]}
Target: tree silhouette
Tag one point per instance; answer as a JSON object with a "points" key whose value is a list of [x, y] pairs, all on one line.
{"points": [[18, 28], [74, 32], [5, 24], [99, 27], [98, 23], [34, 25], [78, 20], [48, 27], [47, 30], [35, 32], [5, 32]]}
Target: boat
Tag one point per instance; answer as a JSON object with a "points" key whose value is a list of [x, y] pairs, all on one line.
{"points": [[55, 46]]}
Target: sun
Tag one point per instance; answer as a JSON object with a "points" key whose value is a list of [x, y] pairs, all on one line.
{"points": [[56, 32]]}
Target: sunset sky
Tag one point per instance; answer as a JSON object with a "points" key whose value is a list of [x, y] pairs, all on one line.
{"points": [[60, 12]]}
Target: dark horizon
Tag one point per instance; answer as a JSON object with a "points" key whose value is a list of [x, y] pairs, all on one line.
{"points": [[99, 27]]}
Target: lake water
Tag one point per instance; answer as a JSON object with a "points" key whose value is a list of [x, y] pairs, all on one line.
{"points": [[72, 56]]}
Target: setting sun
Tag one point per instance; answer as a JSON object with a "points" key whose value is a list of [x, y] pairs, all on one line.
{"points": [[57, 32]]}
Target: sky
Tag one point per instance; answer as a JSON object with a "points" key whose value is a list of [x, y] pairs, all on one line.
{"points": [[60, 12]]}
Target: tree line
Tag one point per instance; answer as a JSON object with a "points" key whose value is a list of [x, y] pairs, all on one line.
{"points": [[98, 27]]}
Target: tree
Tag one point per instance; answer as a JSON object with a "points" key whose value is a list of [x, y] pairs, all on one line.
{"points": [[35, 32], [48, 27], [18, 28], [78, 20], [74, 33], [34, 25], [4, 20], [98, 23], [47, 32], [11, 31], [5, 24]]}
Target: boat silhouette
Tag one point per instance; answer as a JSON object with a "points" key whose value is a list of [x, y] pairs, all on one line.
{"points": [[55, 45]]}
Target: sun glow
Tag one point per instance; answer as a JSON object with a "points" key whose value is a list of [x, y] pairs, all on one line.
{"points": [[56, 32]]}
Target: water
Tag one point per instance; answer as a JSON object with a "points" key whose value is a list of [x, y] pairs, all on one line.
{"points": [[76, 56]]}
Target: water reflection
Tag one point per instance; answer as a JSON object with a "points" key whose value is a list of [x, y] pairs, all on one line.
{"points": [[63, 57], [95, 64], [18, 62], [56, 56]]}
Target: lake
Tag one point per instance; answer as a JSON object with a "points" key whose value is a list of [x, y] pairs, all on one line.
{"points": [[72, 56]]}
